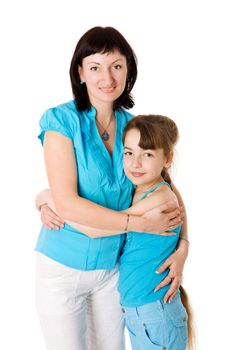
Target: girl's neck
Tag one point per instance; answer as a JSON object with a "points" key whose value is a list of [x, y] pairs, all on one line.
{"points": [[145, 187]]}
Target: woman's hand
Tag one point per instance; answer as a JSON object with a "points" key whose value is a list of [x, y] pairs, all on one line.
{"points": [[175, 264], [163, 218], [50, 219]]}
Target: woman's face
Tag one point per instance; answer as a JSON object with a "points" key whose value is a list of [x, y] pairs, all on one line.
{"points": [[105, 76]]}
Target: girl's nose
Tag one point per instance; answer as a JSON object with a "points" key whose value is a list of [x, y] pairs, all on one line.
{"points": [[136, 162]]}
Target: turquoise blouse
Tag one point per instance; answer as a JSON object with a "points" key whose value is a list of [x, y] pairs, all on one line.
{"points": [[101, 179], [142, 254]]}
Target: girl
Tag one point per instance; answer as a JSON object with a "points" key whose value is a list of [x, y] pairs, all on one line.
{"points": [[77, 276], [152, 323]]}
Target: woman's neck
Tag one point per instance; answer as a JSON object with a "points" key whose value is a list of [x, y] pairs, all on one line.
{"points": [[104, 113]]}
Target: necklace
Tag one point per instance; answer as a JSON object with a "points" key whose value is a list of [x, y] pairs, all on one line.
{"points": [[105, 135]]}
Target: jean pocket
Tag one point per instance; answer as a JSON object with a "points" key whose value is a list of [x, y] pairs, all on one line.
{"points": [[154, 335], [178, 317]]}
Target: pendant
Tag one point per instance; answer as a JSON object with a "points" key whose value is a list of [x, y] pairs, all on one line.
{"points": [[105, 136]]}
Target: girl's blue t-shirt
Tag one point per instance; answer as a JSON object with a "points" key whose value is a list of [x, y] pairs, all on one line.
{"points": [[101, 179], [142, 254]]}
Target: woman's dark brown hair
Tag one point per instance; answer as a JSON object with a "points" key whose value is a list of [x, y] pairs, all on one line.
{"points": [[102, 40]]}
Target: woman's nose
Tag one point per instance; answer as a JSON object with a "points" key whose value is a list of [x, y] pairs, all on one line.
{"points": [[108, 77]]}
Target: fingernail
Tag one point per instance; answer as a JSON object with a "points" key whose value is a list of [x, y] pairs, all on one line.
{"points": [[155, 290], [156, 271]]}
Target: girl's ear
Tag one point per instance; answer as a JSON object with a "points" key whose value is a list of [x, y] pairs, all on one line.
{"points": [[169, 159]]}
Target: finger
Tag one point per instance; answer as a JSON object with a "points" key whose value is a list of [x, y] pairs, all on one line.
{"points": [[164, 266], [53, 226], [170, 205], [166, 233], [173, 289], [174, 214], [56, 223], [175, 222], [50, 225], [165, 281], [56, 218], [175, 226], [53, 216], [173, 295], [49, 212]]}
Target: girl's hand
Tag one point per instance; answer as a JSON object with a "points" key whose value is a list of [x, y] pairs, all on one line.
{"points": [[175, 264], [50, 219]]}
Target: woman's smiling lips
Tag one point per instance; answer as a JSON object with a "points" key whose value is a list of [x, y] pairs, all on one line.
{"points": [[107, 90]]}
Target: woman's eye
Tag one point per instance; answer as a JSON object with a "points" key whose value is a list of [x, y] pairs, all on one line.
{"points": [[94, 69], [118, 66]]}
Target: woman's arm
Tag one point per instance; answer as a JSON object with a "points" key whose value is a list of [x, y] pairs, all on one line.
{"points": [[62, 176], [139, 208]]}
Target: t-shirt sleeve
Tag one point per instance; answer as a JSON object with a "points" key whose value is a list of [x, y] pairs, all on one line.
{"points": [[55, 119]]}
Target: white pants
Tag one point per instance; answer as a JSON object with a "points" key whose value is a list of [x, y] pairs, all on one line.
{"points": [[78, 310]]}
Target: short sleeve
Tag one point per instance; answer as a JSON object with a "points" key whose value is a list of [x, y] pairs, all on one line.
{"points": [[56, 119]]}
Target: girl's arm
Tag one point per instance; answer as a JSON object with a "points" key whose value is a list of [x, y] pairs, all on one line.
{"points": [[62, 175], [175, 263]]}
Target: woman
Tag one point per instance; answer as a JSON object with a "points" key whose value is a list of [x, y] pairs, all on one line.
{"points": [[77, 275]]}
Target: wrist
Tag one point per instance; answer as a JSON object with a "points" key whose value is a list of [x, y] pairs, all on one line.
{"points": [[136, 223], [183, 246]]}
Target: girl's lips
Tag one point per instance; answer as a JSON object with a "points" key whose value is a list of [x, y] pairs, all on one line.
{"points": [[136, 174]]}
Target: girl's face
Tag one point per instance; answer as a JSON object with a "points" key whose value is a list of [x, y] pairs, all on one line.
{"points": [[143, 167], [104, 75]]}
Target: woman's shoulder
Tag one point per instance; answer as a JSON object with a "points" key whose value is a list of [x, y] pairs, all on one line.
{"points": [[62, 118], [63, 108]]}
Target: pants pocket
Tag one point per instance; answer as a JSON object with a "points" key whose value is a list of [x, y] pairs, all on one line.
{"points": [[154, 335], [178, 319]]}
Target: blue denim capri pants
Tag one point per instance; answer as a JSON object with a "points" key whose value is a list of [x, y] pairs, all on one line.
{"points": [[157, 326]]}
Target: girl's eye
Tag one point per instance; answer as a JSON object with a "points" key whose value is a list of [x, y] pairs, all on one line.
{"points": [[127, 153], [148, 155]]}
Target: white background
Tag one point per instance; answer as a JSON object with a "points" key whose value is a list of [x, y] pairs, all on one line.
{"points": [[187, 53]]}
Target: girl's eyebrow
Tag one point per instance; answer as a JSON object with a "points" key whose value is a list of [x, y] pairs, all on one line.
{"points": [[125, 147]]}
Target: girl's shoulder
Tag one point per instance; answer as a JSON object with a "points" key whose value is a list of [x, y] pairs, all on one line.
{"points": [[163, 193]]}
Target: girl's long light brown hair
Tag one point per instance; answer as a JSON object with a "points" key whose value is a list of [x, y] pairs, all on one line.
{"points": [[157, 131]]}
